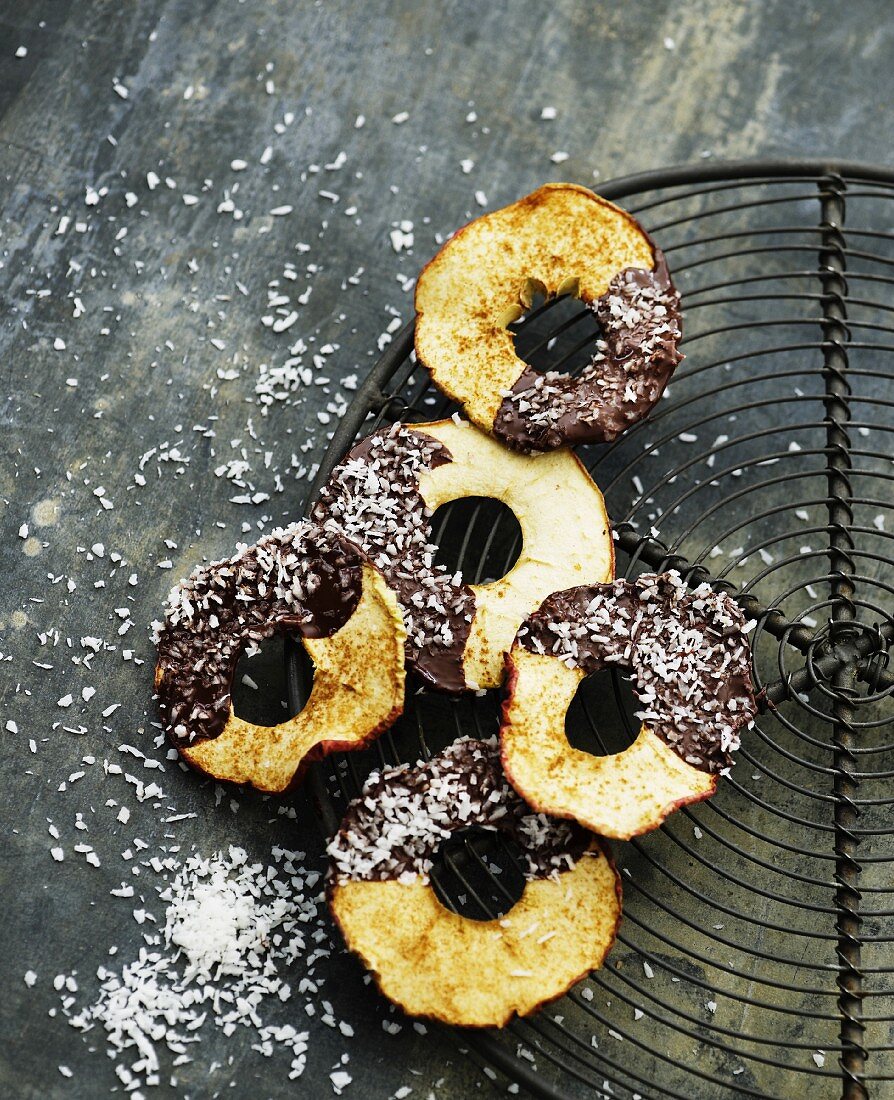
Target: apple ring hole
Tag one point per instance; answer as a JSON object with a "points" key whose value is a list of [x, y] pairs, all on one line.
{"points": [[478, 537], [601, 720], [556, 334], [478, 873], [259, 683]]}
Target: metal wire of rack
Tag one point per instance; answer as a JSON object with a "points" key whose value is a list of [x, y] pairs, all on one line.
{"points": [[756, 954]]}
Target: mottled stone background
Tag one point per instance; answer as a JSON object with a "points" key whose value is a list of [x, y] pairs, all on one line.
{"points": [[133, 329]]}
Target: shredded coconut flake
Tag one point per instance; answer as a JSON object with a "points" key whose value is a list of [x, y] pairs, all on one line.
{"points": [[231, 929]]}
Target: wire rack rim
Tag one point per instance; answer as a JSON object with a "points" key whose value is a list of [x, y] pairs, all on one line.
{"points": [[831, 177]]}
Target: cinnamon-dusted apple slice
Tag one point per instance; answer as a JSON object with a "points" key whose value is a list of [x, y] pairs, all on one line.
{"points": [[298, 580], [434, 962], [562, 239], [382, 495], [690, 660]]}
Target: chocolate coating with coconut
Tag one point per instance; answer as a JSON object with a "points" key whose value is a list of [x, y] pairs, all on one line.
{"points": [[687, 649], [639, 318], [373, 499], [298, 579], [394, 829]]}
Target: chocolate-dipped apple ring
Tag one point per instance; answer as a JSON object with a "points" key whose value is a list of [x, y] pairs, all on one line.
{"points": [[690, 661], [562, 239], [430, 960], [381, 498], [298, 580]]}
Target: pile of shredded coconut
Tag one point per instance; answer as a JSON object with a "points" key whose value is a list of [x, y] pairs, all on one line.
{"points": [[232, 928]]}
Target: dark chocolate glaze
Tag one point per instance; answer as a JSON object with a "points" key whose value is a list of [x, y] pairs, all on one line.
{"points": [[397, 824], [372, 497], [298, 580], [687, 650], [639, 318]]}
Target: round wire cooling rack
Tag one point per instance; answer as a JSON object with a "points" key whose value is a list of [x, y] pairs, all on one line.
{"points": [[756, 954]]}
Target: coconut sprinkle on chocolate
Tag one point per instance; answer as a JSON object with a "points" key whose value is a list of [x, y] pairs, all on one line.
{"points": [[394, 829], [688, 651], [639, 316], [298, 578], [373, 500]]}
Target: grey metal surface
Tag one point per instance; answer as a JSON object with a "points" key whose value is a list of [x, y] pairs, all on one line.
{"points": [[635, 86]]}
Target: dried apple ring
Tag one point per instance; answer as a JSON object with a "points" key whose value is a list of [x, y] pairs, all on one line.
{"points": [[561, 239], [691, 663], [381, 498], [298, 580], [434, 962]]}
